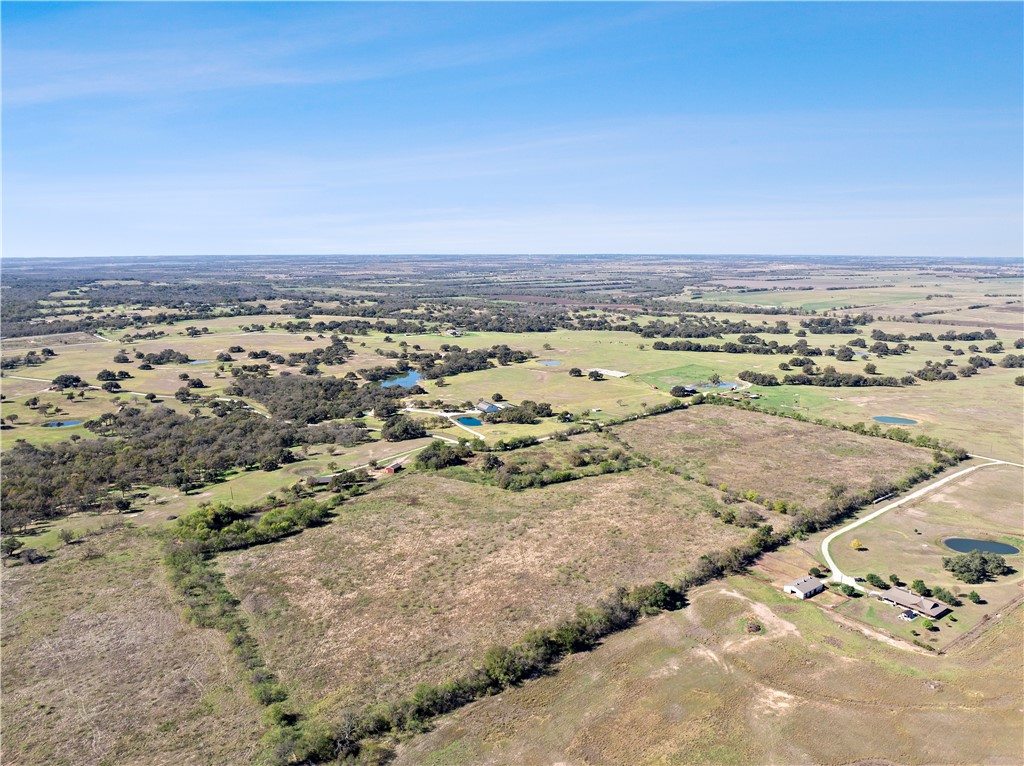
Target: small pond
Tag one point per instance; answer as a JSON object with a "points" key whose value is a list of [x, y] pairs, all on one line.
{"points": [[724, 384], [406, 381], [200, 361], [468, 421], [549, 363], [966, 545], [897, 421], [61, 423]]}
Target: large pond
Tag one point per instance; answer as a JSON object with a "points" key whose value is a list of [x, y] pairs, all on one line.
{"points": [[966, 545], [61, 423], [895, 420], [406, 381], [549, 363], [468, 421]]}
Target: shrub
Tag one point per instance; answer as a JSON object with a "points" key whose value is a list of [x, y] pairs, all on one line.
{"points": [[877, 581]]}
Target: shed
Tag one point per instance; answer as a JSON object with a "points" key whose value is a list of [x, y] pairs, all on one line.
{"points": [[486, 407], [805, 587]]}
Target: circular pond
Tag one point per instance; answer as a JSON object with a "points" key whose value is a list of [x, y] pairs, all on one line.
{"points": [[895, 420], [61, 423], [966, 545], [468, 421]]}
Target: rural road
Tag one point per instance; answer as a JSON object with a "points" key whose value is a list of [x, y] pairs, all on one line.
{"points": [[837, 574]]}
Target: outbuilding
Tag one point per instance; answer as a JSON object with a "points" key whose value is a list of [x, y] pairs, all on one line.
{"points": [[805, 587]]}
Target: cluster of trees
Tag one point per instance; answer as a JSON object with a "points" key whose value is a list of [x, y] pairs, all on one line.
{"points": [[527, 413], [900, 337], [828, 376], [458, 360], [221, 527], [439, 454], [167, 356], [976, 566], [401, 428], [729, 347], [306, 400], [30, 359], [975, 335], [155, 445], [846, 325], [694, 326]]}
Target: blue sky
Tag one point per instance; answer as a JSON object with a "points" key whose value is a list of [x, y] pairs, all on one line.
{"points": [[191, 128]]}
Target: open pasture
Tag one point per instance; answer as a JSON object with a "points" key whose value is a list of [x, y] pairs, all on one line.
{"points": [[980, 414], [695, 687], [99, 667], [414, 581], [775, 457]]}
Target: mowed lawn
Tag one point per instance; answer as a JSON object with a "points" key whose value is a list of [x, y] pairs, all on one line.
{"points": [[695, 687], [776, 457], [415, 580], [100, 668]]}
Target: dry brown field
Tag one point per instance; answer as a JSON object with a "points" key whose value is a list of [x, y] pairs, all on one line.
{"points": [[776, 457], [414, 581], [100, 668]]}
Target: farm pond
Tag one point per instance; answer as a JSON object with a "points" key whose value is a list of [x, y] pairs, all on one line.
{"points": [[406, 381], [894, 420], [966, 545]]}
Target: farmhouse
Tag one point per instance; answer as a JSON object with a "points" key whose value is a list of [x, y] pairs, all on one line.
{"points": [[805, 587], [904, 598]]}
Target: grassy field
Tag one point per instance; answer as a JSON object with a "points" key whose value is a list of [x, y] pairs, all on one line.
{"points": [[100, 669], [776, 457], [694, 687], [415, 580]]}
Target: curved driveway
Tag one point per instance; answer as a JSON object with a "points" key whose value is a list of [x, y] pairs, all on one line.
{"points": [[837, 575]]}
